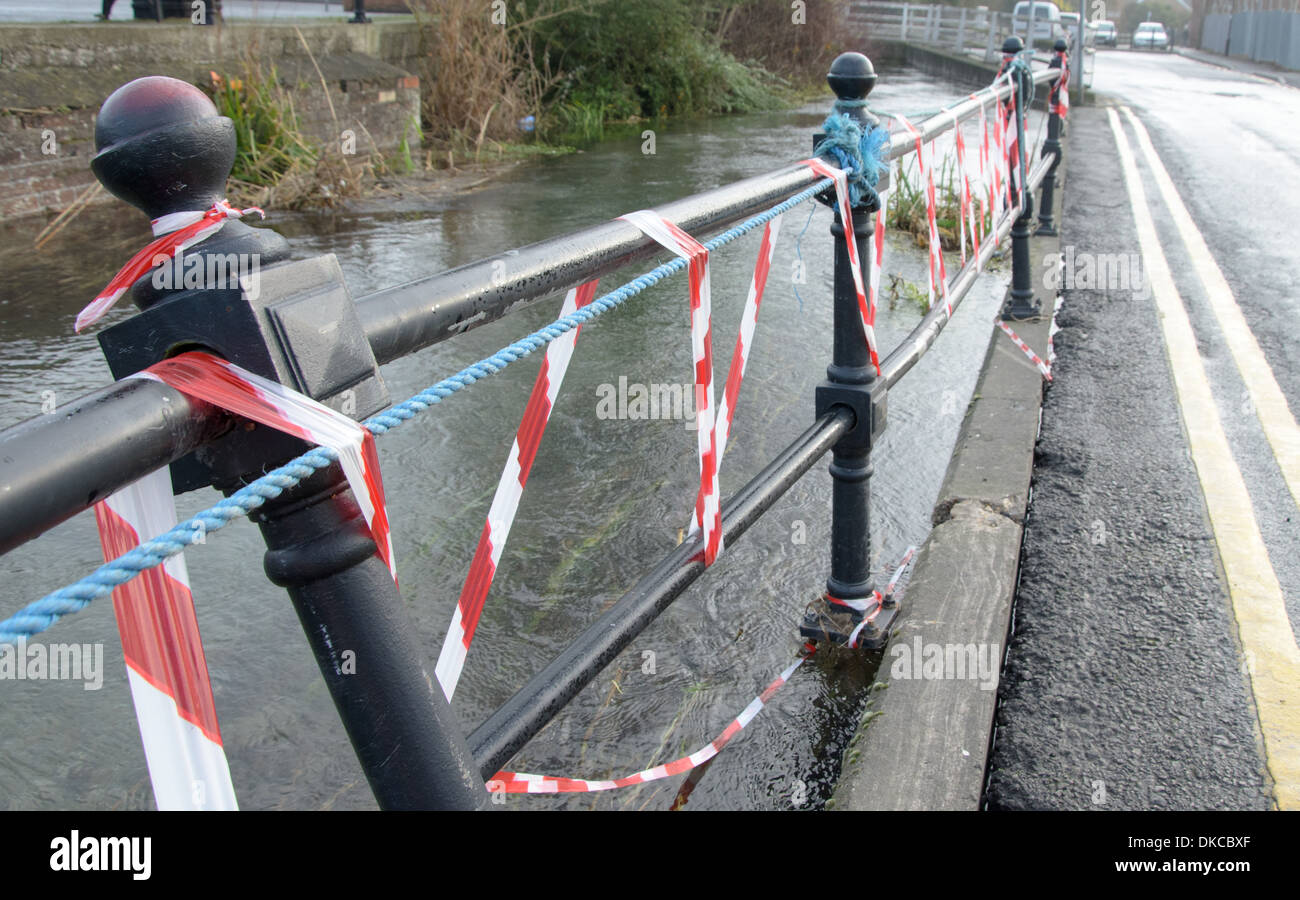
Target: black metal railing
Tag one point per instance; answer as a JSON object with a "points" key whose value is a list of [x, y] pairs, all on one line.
{"points": [[54, 467]]}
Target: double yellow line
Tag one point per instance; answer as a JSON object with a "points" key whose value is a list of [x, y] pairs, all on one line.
{"points": [[1272, 657]]}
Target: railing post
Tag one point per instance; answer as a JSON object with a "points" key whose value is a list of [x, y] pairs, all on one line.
{"points": [[902, 29], [1022, 304], [850, 381], [163, 148], [961, 32], [1052, 147]]}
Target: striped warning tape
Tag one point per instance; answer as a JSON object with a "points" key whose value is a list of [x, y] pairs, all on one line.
{"points": [[1052, 330], [523, 783], [166, 666], [745, 338], [964, 187], [938, 273], [708, 502], [1062, 87], [507, 782], [866, 307], [883, 597], [1043, 367], [174, 233], [505, 502]]}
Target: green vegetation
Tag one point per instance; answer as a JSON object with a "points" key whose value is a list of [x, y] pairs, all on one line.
{"points": [[275, 164], [532, 77], [578, 66]]}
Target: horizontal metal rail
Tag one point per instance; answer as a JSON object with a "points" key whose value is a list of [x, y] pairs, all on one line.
{"points": [[922, 337], [526, 713], [409, 317], [55, 466]]}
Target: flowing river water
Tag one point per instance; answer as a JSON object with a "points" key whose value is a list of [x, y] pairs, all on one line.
{"points": [[607, 498]]}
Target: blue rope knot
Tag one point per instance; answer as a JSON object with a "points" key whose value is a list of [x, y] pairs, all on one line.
{"points": [[856, 150], [1020, 67]]}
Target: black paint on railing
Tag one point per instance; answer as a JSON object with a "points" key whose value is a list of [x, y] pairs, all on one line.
{"points": [[546, 693], [401, 726]]}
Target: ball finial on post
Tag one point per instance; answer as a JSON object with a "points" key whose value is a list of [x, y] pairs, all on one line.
{"points": [[162, 147], [851, 76], [1013, 46]]}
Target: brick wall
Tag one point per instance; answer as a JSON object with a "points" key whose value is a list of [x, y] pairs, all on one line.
{"points": [[53, 79]]}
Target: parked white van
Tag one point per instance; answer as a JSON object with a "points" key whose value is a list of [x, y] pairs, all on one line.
{"points": [[1043, 17]]}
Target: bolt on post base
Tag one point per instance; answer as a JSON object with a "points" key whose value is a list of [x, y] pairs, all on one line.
{"points": [[827, 621]]}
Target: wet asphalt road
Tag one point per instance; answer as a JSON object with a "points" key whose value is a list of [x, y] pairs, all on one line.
{"points": [[1125, 685]]}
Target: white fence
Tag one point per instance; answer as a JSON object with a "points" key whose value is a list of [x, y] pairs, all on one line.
{"points": [[961, 30], [949, 27]]}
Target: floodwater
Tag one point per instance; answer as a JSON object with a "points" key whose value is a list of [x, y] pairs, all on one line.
{"points": [[606, 500]]}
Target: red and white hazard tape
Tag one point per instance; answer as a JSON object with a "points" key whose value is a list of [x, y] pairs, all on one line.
{"points": [[878, 246], [880, 597], [983, 193], [708, 502], [505, 503], [1043, 367], [1013, 151], [963, 187], [866, 307], [251, 396], [938, 274], [175, 232], [1052, 329], [165, 664], [745, 338], [1062, 107], [508, 782], [522, 783]]}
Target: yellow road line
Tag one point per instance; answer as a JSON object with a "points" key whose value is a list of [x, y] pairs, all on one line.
{"points": [[1273, 659], [1270, 406]]}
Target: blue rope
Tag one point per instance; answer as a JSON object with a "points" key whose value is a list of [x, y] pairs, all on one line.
{"points": [[855, 150], [798, 252], [41, 614], [1019, 66]]}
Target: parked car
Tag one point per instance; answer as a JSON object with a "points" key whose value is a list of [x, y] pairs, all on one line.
{"points": [[1070, 22], [1107, 34], [1038, 20], [1150, 36]]}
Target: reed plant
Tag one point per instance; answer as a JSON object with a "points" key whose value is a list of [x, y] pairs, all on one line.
{"points": [[276, 163]]}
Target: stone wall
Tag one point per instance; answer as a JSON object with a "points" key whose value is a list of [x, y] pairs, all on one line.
{"points": [[54, 78]]}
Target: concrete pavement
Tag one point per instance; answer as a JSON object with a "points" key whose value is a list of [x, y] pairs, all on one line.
{"points": [[1153, 661]]}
